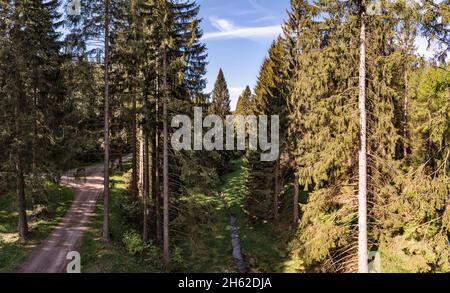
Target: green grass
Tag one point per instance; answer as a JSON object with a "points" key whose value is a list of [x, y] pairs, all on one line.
{"points": [[100, 257], [201, 231], [208, 247], [264, 245], [12, 252]]}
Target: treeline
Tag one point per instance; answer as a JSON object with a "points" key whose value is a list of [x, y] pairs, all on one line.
{"points": [[364, 122], [365, 131], [49, 101], [79, 88]]}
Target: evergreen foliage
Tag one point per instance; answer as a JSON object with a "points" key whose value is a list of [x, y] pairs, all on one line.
{"points": [[244, 102]]}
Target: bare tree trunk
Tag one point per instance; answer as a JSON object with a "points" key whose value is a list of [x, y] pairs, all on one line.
{"points": [[106, 167], [166, 255], [134, 175], [146, 194], [296, 195], [23, 224], [405, 113], [20, 183], [156, 168], [277, 189], [153, 179], [362, 186], [34, 146], [141, 162]]}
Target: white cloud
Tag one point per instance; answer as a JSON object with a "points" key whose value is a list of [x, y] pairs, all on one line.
{"points": [[228, 30], [222, 24]]}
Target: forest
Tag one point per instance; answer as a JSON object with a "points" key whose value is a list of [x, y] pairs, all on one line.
{"points": [[89, 90]]}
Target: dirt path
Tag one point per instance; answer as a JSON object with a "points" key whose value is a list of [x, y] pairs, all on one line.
{"points": [[50, 255]]}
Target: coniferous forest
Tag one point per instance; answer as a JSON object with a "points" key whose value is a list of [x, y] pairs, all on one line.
{"points": [[89, 94]]}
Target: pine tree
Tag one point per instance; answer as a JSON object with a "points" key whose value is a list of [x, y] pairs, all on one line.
{"points": [[220, 104], [270, 99], [33, 88], [297, 32], [323, 114]]}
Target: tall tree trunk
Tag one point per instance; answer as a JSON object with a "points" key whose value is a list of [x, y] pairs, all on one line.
{"points": [[34, 146], [106, 166], [166, 255], [23, 224], [146, 194], [20, 182], [277, 189], [141, 162], [134, 174], [405, 113], [156, 187], [296, 195], [362, 186], [157, 168]]}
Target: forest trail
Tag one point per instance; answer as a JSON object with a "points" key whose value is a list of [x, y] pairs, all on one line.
{"points": [[50, 255]]}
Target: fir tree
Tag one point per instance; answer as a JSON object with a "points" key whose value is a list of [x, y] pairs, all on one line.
{"points": [[270, 99], [220, 103], [33, 91], [244, 102]]}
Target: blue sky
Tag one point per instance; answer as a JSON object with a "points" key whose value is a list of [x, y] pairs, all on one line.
{"points": [[238, 34]]}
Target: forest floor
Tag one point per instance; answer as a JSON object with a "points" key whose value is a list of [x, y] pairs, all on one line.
{"points": [[202, 240], [12, 252], [265, 245]]}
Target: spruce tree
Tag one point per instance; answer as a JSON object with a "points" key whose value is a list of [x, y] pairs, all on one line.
{"points": [[34, 93], [220, 106], [243, 103], [323, 115], [220, 97], [270, 99]]}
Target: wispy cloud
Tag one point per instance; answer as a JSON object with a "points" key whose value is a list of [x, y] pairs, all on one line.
{"points": [[222, 24], [255, 4], [228, 30], [264, 18]]}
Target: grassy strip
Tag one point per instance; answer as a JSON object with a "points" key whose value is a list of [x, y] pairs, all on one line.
{"points": [[265, 245], [203, 234], [100, 257], [207, 245], [12, 252]]}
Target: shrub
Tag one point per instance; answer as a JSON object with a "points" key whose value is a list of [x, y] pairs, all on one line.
{"points": [[133, 242]]}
